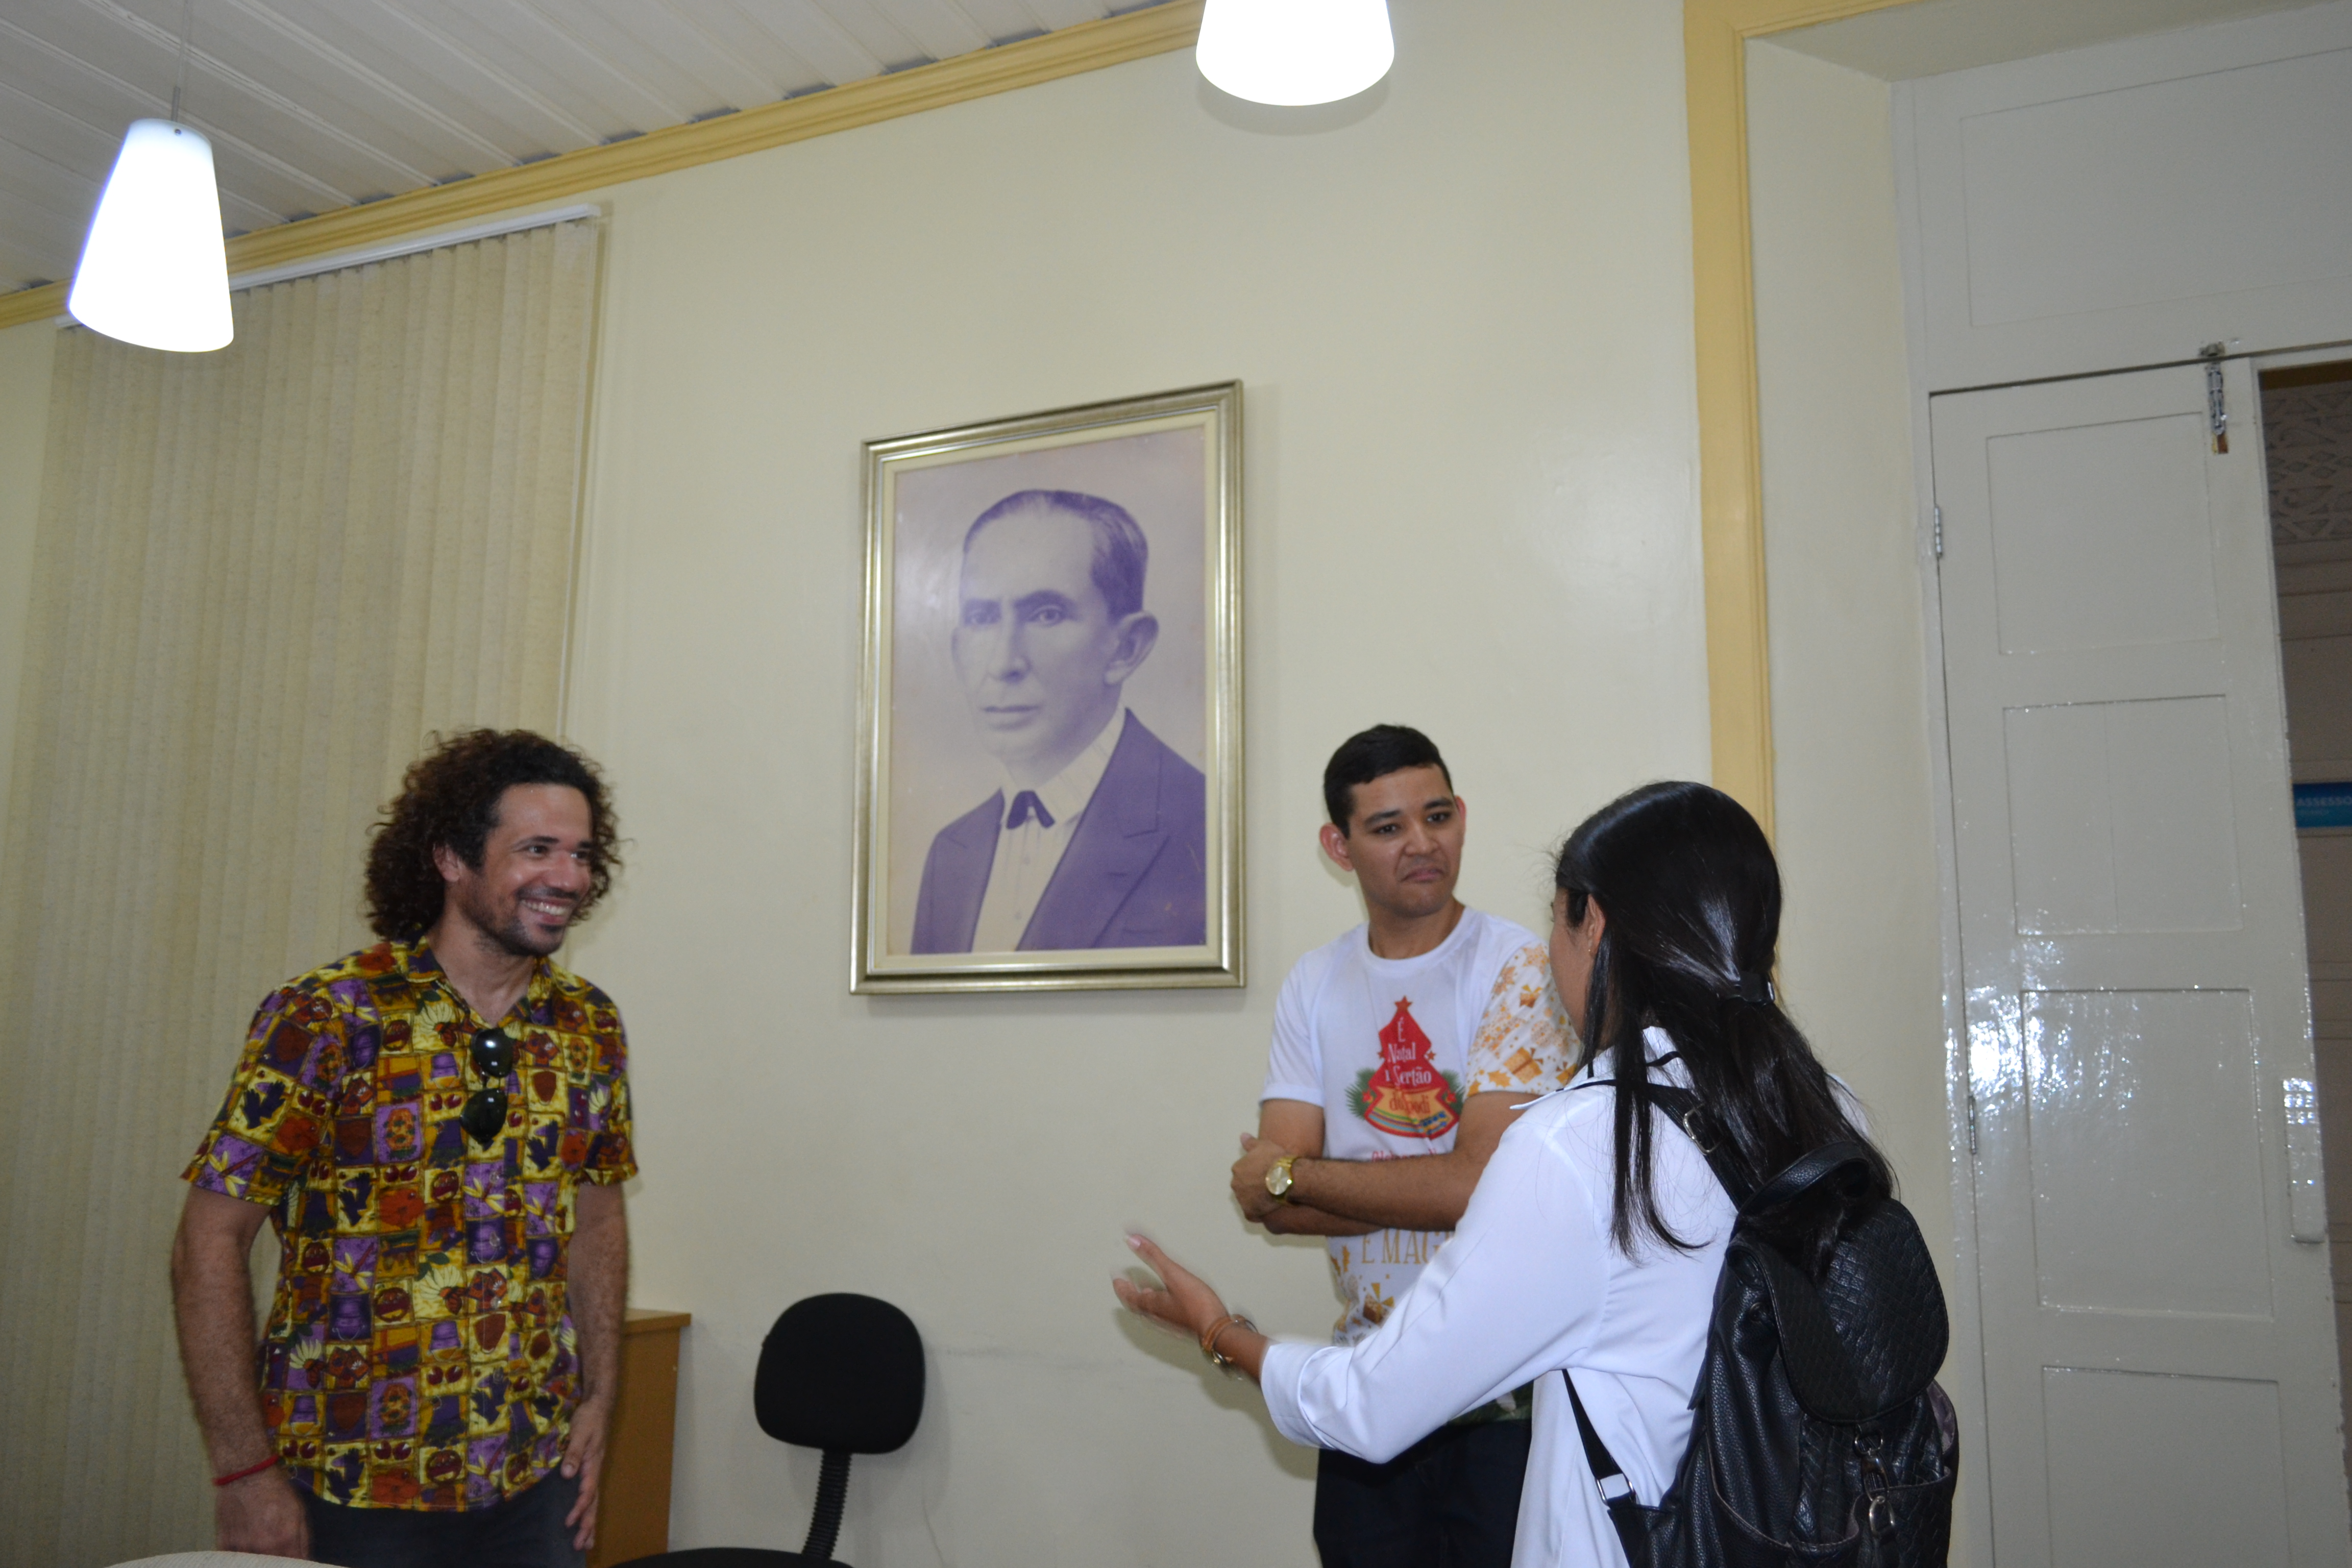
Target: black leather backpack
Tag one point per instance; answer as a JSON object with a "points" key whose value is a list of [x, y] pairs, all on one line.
{"points": [[1821, 1438]]}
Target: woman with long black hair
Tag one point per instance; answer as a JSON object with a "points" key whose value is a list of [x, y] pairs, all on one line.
{"points": [[1594, 1239]]}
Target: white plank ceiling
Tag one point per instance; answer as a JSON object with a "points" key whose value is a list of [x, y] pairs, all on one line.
{"points": [[317, 104]]}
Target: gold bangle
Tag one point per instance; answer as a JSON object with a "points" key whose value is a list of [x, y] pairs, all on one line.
{"points": [[1217, 1358]]}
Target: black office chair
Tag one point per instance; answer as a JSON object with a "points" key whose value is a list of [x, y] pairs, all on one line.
{"points": [[843, 1375]]}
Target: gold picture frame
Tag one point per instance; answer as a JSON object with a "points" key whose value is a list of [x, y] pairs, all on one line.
{"points": [[1049, 793]]}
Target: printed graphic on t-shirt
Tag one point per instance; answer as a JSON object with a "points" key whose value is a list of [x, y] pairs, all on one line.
{"points": [[1408, 1094], [1393, 1050], [1370, 1272]]}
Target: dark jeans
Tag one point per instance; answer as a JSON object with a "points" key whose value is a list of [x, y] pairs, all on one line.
{"points": [[525, 1532], [1451, 1501]]}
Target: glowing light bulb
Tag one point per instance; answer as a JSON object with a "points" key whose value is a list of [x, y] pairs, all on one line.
{"points": [[1295, 51], [154, 270]]}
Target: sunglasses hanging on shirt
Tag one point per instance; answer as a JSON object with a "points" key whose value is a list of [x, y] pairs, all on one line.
{"points": [[485, 1114]]}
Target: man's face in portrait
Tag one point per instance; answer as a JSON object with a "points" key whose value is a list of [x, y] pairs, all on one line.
{"points": [[1040, 654]]}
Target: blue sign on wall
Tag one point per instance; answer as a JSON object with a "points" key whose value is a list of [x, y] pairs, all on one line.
{"points": [[2323, 805]]}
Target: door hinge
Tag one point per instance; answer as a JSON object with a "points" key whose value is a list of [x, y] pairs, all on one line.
{"points": [[1972, 1124], [2306, 1175], [1939, 533], [2217, 408]]}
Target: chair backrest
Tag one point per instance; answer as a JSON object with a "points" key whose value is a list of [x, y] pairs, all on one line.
{"points": [[841, 1373]]}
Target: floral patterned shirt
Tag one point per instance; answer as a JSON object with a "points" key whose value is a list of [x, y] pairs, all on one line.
{"points": [[1525, 1043], [418, 1353]]}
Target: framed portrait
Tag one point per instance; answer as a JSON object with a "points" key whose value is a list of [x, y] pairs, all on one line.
{"points": [[1050, 752]]}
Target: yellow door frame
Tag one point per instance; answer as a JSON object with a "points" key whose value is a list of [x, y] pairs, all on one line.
{"points": [[1731, 447]]}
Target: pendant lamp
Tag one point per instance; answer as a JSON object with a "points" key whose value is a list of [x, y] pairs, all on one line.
{"points": [[1294, 52], [155, 270]]}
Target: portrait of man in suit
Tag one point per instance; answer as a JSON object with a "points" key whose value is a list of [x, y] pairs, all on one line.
{"points": [[1095, 835]]}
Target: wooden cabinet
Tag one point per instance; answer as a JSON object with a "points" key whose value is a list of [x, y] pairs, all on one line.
{"points": [[633, 1520]]}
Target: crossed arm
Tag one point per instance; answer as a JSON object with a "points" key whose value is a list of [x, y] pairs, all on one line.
{"points": [[1353, 1197]]}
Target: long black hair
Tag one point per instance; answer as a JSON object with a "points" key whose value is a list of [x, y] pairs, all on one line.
{"points": [[1690, 897]]}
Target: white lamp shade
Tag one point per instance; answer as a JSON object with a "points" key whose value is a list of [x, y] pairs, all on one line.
{"points": [[1295, 51], [153, 270]]}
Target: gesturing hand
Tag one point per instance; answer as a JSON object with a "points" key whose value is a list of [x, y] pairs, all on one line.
{"points": [[1184, 1301]]}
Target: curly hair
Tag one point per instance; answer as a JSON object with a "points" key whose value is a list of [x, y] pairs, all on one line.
{"points": [[450, 796]]}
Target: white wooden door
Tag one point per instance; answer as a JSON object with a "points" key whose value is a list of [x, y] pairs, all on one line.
{"points": [[2160, 1356]]}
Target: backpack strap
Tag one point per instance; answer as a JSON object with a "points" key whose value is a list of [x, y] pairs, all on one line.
{"points": [[1799, 1177], [1605, 1467], [1682, 1106], [1802, 1174]]}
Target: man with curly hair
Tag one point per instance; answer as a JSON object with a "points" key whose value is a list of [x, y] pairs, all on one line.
{"points": [[439, 1126]]}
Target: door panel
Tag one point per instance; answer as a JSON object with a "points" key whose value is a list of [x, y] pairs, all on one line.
{"points": [[2120, 817], [2121, 503], [2224, 1431], [2160, 1352], [2093, 208], [2142, 1122]]}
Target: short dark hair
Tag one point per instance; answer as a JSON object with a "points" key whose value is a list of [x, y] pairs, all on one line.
{"points": [[450, 796], [1121, 552], [1373, 753]]}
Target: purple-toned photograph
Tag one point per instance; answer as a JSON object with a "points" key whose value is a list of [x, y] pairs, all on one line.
{"points": [[1050, 751]]}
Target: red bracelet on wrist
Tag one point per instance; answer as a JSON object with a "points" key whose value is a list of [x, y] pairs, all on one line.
{"points": [[235, 1476]]}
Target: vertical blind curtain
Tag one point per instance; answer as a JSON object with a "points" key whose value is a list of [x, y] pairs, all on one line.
{"points": [[262, 578]]}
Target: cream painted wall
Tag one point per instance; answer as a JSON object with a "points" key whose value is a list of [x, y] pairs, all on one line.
{"points": [[1856, 833], [1860, 950], [1462, 310], [25, 355]]}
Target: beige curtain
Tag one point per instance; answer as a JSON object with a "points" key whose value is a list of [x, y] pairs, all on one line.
{"points": [[262, 577]]}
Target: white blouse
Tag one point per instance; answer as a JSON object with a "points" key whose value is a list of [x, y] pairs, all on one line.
{"points": [[1529, 1284]]}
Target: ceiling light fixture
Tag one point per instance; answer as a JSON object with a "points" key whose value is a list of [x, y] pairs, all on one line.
{"points": [[154, 270], [1294, 52]]}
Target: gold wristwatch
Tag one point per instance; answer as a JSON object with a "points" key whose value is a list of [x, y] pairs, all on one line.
{"points": [[1278, 1177]]}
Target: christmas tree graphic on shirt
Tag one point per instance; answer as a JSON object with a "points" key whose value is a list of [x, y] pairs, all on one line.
{"points": [[1407, 1094]]}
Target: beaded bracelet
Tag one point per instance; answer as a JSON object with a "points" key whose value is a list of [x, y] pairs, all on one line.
{"points": [[1218, 1358]]}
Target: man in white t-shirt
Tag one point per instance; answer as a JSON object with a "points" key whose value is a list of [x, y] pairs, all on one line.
{"points": [[1400, 1051]]}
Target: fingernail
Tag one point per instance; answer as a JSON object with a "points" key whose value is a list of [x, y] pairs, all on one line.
{"points": [[1136, 1242]]}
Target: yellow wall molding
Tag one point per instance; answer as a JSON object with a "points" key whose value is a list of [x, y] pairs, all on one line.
{"points": [[1731, 473], [1089, 45]]}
